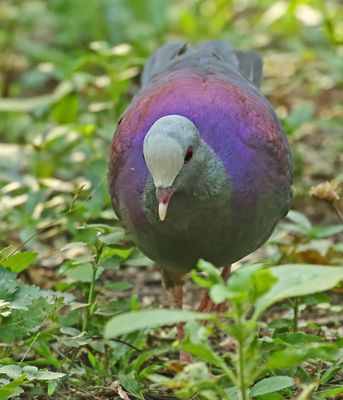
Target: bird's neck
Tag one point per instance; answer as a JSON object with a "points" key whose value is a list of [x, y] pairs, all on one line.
{"points": [[210, 178]]}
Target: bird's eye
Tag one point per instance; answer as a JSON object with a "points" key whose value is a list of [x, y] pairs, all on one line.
{"points": [[189, 154]]}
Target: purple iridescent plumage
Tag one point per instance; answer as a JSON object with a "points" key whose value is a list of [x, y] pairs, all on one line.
{"points": [[241, 128]]}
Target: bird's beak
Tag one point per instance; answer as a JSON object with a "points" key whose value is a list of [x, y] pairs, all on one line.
{"points": [[163, 196]]}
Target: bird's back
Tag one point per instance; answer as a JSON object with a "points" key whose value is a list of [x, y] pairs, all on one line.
{"points": [[217, 53]]}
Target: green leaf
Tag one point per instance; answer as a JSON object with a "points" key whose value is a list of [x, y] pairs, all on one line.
{"points": [[48, 375], [131, 384], [102, 228], [114, 237], [82, 273], [299, 219], [30, 371], [332, 392], [271, 396], [211, 271], [7, 390], [219, 293], [270, 385], [297, 338], [299, 280], [243, 278], [263, 280], [110, 263], [12, 371], [247, 282], [294, 355], [204, 352], [8, 284], [333, 370], [19, 261], [52, 386], [324, 231], [20, 323], [133, 321], [5, 252]]}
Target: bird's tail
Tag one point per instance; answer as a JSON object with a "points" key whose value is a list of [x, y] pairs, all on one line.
{"points": [[249, 63]]}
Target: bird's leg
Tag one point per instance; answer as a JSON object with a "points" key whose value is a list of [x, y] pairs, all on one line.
{"points": [[174, 284], [177, 300], [176, 293], [207, 304]]}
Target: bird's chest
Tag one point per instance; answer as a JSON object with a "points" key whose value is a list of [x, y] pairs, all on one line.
{"points": [[189, 215]]}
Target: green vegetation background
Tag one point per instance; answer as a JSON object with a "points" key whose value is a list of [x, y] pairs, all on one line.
{"points": [[68, 69]]}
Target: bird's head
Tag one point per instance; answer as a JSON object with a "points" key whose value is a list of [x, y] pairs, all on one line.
{"points": [[171, 152]]}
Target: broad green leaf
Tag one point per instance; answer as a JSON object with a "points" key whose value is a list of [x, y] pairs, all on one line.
{"points": [[294, 355], [243, 278], [82, 273], [246, 283], [20, 323], [52, 386], [263, 280], [296, 338], [19, 261], [12, 371], [270, 385], [299, 280], [7, 390], [232, 393], [219, 293], [48, 375], [271, 396], [325, 231], [102, 228], [131, 384], [8, 284], [204, 352], [299, 219], [113, 237], [133, 321], [110, 263], [30, 372], [5, 252], [212, 272]]}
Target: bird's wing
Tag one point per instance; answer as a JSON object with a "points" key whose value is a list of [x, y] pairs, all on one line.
{"points": [[248, 63]]}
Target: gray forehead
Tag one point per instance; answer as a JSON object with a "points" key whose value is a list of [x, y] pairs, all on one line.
{"points": [[176, 127]]}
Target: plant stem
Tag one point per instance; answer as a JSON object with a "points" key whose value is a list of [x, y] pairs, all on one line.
{"points": [[243, 390], [295, 314], [91, 293]]}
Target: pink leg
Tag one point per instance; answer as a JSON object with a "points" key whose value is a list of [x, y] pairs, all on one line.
{"points": [[207, 304], [177, 300]]}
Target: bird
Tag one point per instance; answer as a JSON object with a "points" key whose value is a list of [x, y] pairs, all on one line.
{"points": [[199, 167]]}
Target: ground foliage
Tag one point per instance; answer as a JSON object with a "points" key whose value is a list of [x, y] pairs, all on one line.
{"points": [[68, 69]]}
